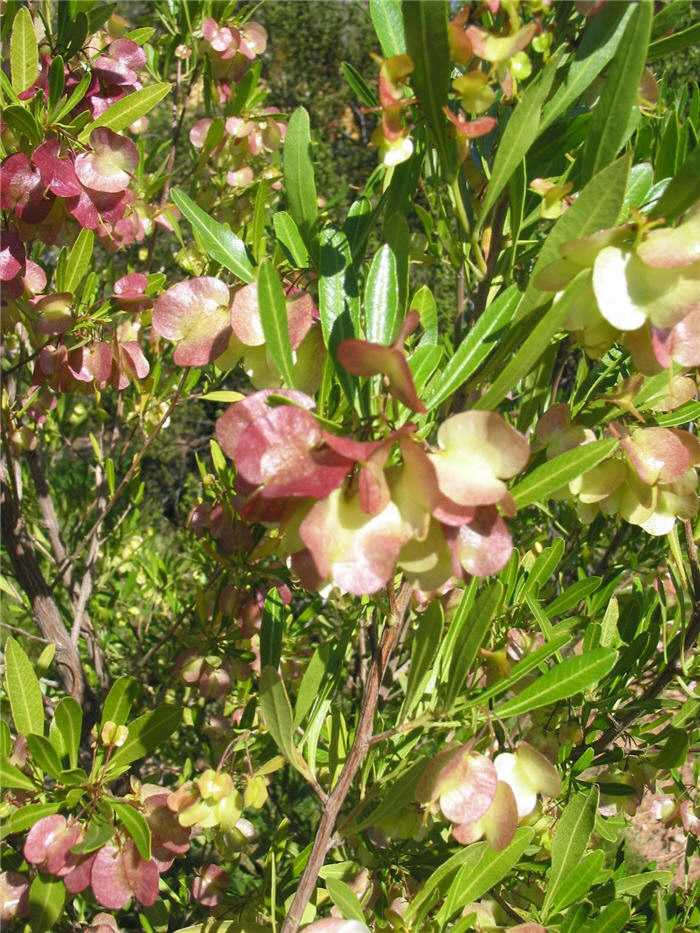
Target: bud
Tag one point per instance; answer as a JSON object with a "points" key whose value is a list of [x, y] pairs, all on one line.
{"points": [[114, 735]]}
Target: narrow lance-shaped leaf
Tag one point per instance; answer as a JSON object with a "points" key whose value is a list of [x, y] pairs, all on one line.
{"points": [[381, 298], [44, 754], [290, 240], [299, 179], [549, 477], [24, 55], [79, 260], [475, 348], [218, 239], [569, 843], [425, 28], [124, 112], [613, 919], [119, 701], [580, 881], [426, 643], [473, 880], [388, 24], [23, 690], [274, 320], [277, 712], [465, 653], [596, 207], [520, 133], [145, 734], [135, 825], [608, 126], [271, 629], [47, 898], [345, 900], [561, 681]]}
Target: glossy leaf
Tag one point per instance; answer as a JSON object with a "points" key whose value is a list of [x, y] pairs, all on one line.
{"points": [[99, 833], [466, 651], [79, 260], [438, 883], [608, 126], [381, 298], [580, 882], [119, 701], [135, 825], [145, 733], [299, 181], [272, 629], [23, 690], [568, 846], [122, 113], [28, 815], [475, 878], [425, 29], [597, 206], [424, 648], [290, 239], [218, 240], [598, 45], [684, 39], [47, 898], [24, 55], [278, 712], [476, 347], [274, 320], [424, 303], [345, 900], [561, 682], [613, 919], [359, 86], [44, 754], [683, 190], [11, 776], [552, 475], [20, 120], [388, 24], [520, 133]]}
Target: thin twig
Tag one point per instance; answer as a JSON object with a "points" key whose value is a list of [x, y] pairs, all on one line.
{"points": [[360, 745]]}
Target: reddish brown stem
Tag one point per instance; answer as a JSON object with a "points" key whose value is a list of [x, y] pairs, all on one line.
{"points": [[356, 756]]}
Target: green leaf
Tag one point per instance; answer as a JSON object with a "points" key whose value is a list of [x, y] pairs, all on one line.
{"points": [[119, 701], [607, 130], [668, 16], [551, 476], [633, 884], [44, 754], [545, 565], [388, 25], [381, 298], [338, 299], [569, 844], [218, 240], [675, 43], [11, 776], [272, 629], [145, 733], [474, 879], [529, 353], [424, 303], [580, 881], [561, 681], [124, 112], [396, 234], [674, 751], [20, 121], [299, 181], [425, 29], [597, 206], [135, 825], [28, 815], [359, 86], [278, 713], [217, 925], [572, 596], [520, 133], [98, 834], [436, 885], [466, 651], [613, 919], [274, 320], [64, 107], [23, 690], [425, 644], [319, 665], [683, 191], [47, 898], [290, 240], [24, 54], [397, 795], [79, 260], [345, 900], [476, 347], [599, 43]]}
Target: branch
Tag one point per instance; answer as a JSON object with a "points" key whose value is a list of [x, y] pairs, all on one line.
{"points": [[360, 745]]}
